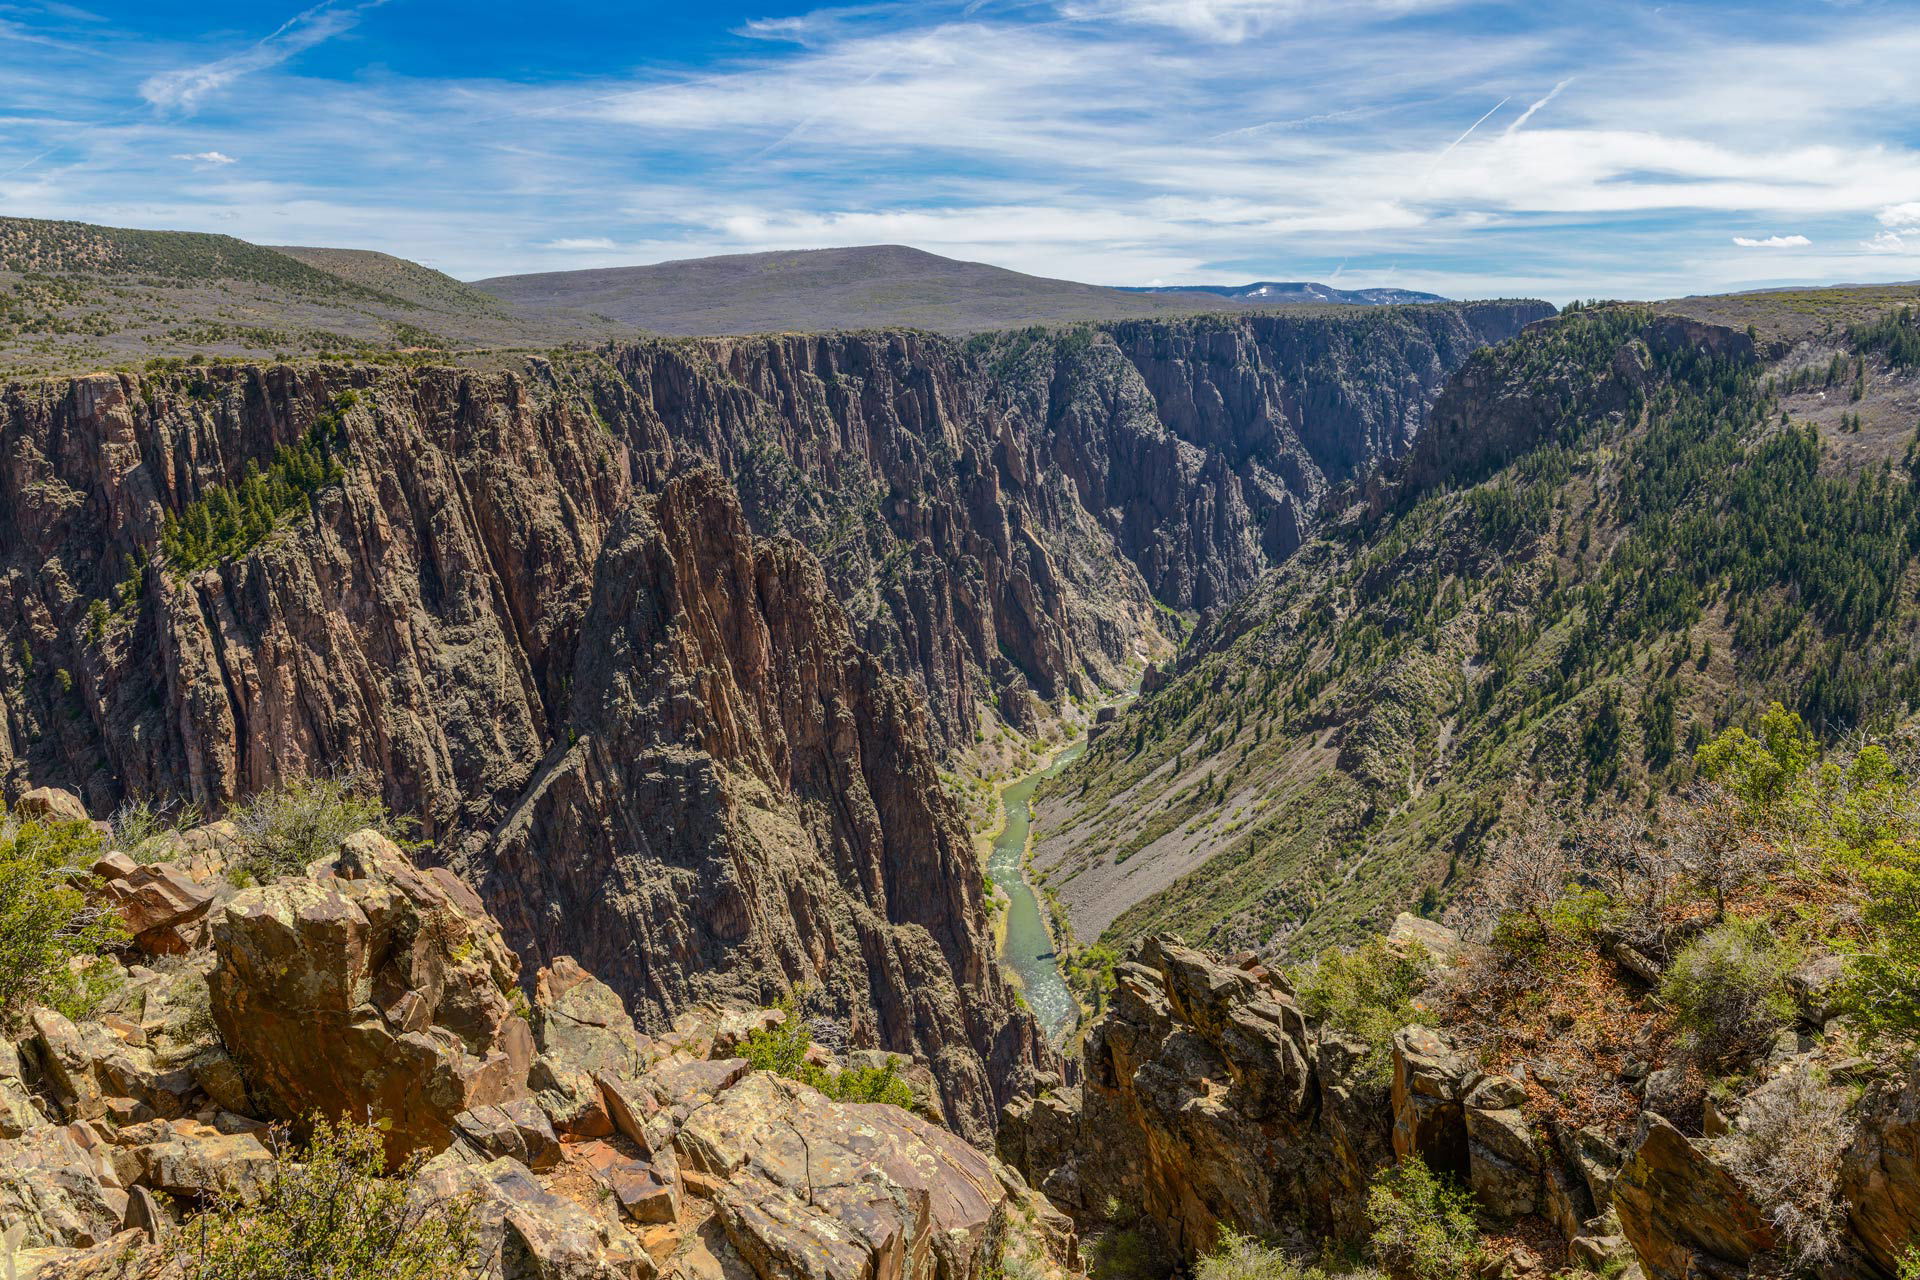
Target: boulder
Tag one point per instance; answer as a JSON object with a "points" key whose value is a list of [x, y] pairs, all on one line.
{"points": [[379, 989], [51, 1186], [647, 1192], [51, 804], [809, 1188], [737, 1026], [1880, 1173], [516, 1129], [1439, 942], [537, 1234], [582, 1022], [570, 1097], [1684, 1213], [18, 1111], [198, 1160], [1504, 1165], [1430, 1079], [66, 1055], [204, 852], [123, 1257], [162, 906]]}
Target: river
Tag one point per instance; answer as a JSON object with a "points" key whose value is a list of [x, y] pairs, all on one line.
{"points": [[1027, 948]]}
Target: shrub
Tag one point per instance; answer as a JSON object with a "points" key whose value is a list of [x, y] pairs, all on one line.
{"points": [[1367, 993], [1882, 989], [1238, 1257], [1727, 989], [1423, 1227], [333, 1215], [782, 1049], [45, 922], [304, 820], [1131, 1252], [137, 821], [1787, 1155], [1760, 771]]}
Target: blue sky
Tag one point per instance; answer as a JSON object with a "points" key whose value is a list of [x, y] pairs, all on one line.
{"points": [[1553, 149]]}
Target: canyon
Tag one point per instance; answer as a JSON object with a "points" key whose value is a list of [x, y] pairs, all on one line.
{"points": [[664, 644]]}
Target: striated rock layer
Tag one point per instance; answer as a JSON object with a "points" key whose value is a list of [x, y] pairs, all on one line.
{"points": [[558, 615]]}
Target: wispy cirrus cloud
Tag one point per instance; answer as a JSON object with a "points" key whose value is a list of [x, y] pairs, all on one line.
{"points": [[184, 88], [1234, 21], [205, 157]]}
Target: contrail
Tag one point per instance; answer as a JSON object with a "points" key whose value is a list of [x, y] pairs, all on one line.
{"points": [[1470, 128], [1425, 177], [1528, 113]]}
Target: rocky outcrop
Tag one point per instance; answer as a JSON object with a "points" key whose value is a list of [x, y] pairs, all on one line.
{"points": [[1207, 1101], [377, 989], [1880, 1175], [704, 1169], [1684, 1213]]}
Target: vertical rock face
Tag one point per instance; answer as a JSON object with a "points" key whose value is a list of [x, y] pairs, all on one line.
{"points": [[748, 801], [660, 643]]}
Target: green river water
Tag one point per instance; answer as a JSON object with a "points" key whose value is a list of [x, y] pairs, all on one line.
{"points": [[1028, 949]]}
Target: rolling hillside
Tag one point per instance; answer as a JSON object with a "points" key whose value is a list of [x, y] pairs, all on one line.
{"points": [[76, 297]]}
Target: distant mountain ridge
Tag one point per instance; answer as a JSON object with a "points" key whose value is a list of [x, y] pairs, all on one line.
{"points": [[865, 287], [1294, 291]]}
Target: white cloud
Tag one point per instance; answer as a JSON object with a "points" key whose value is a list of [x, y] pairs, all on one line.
{"points": [[1234, 21], [183, 88], [1772, 242], [579, 244], [205, 157], [1906, 214], [1891, 242]]}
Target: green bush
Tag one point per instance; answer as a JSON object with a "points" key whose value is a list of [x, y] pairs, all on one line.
{"points": [[332, 1215], [286, 829], [45, 921], [1727, 989], [1882, 988], [1130, 1252], [1423, 1227], [1238, 1257], [1367, 993], [782, 1049]]}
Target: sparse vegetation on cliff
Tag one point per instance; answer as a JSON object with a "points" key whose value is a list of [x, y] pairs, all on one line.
{"points": [[782, 1049], [227, 521], [286, 828]]}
